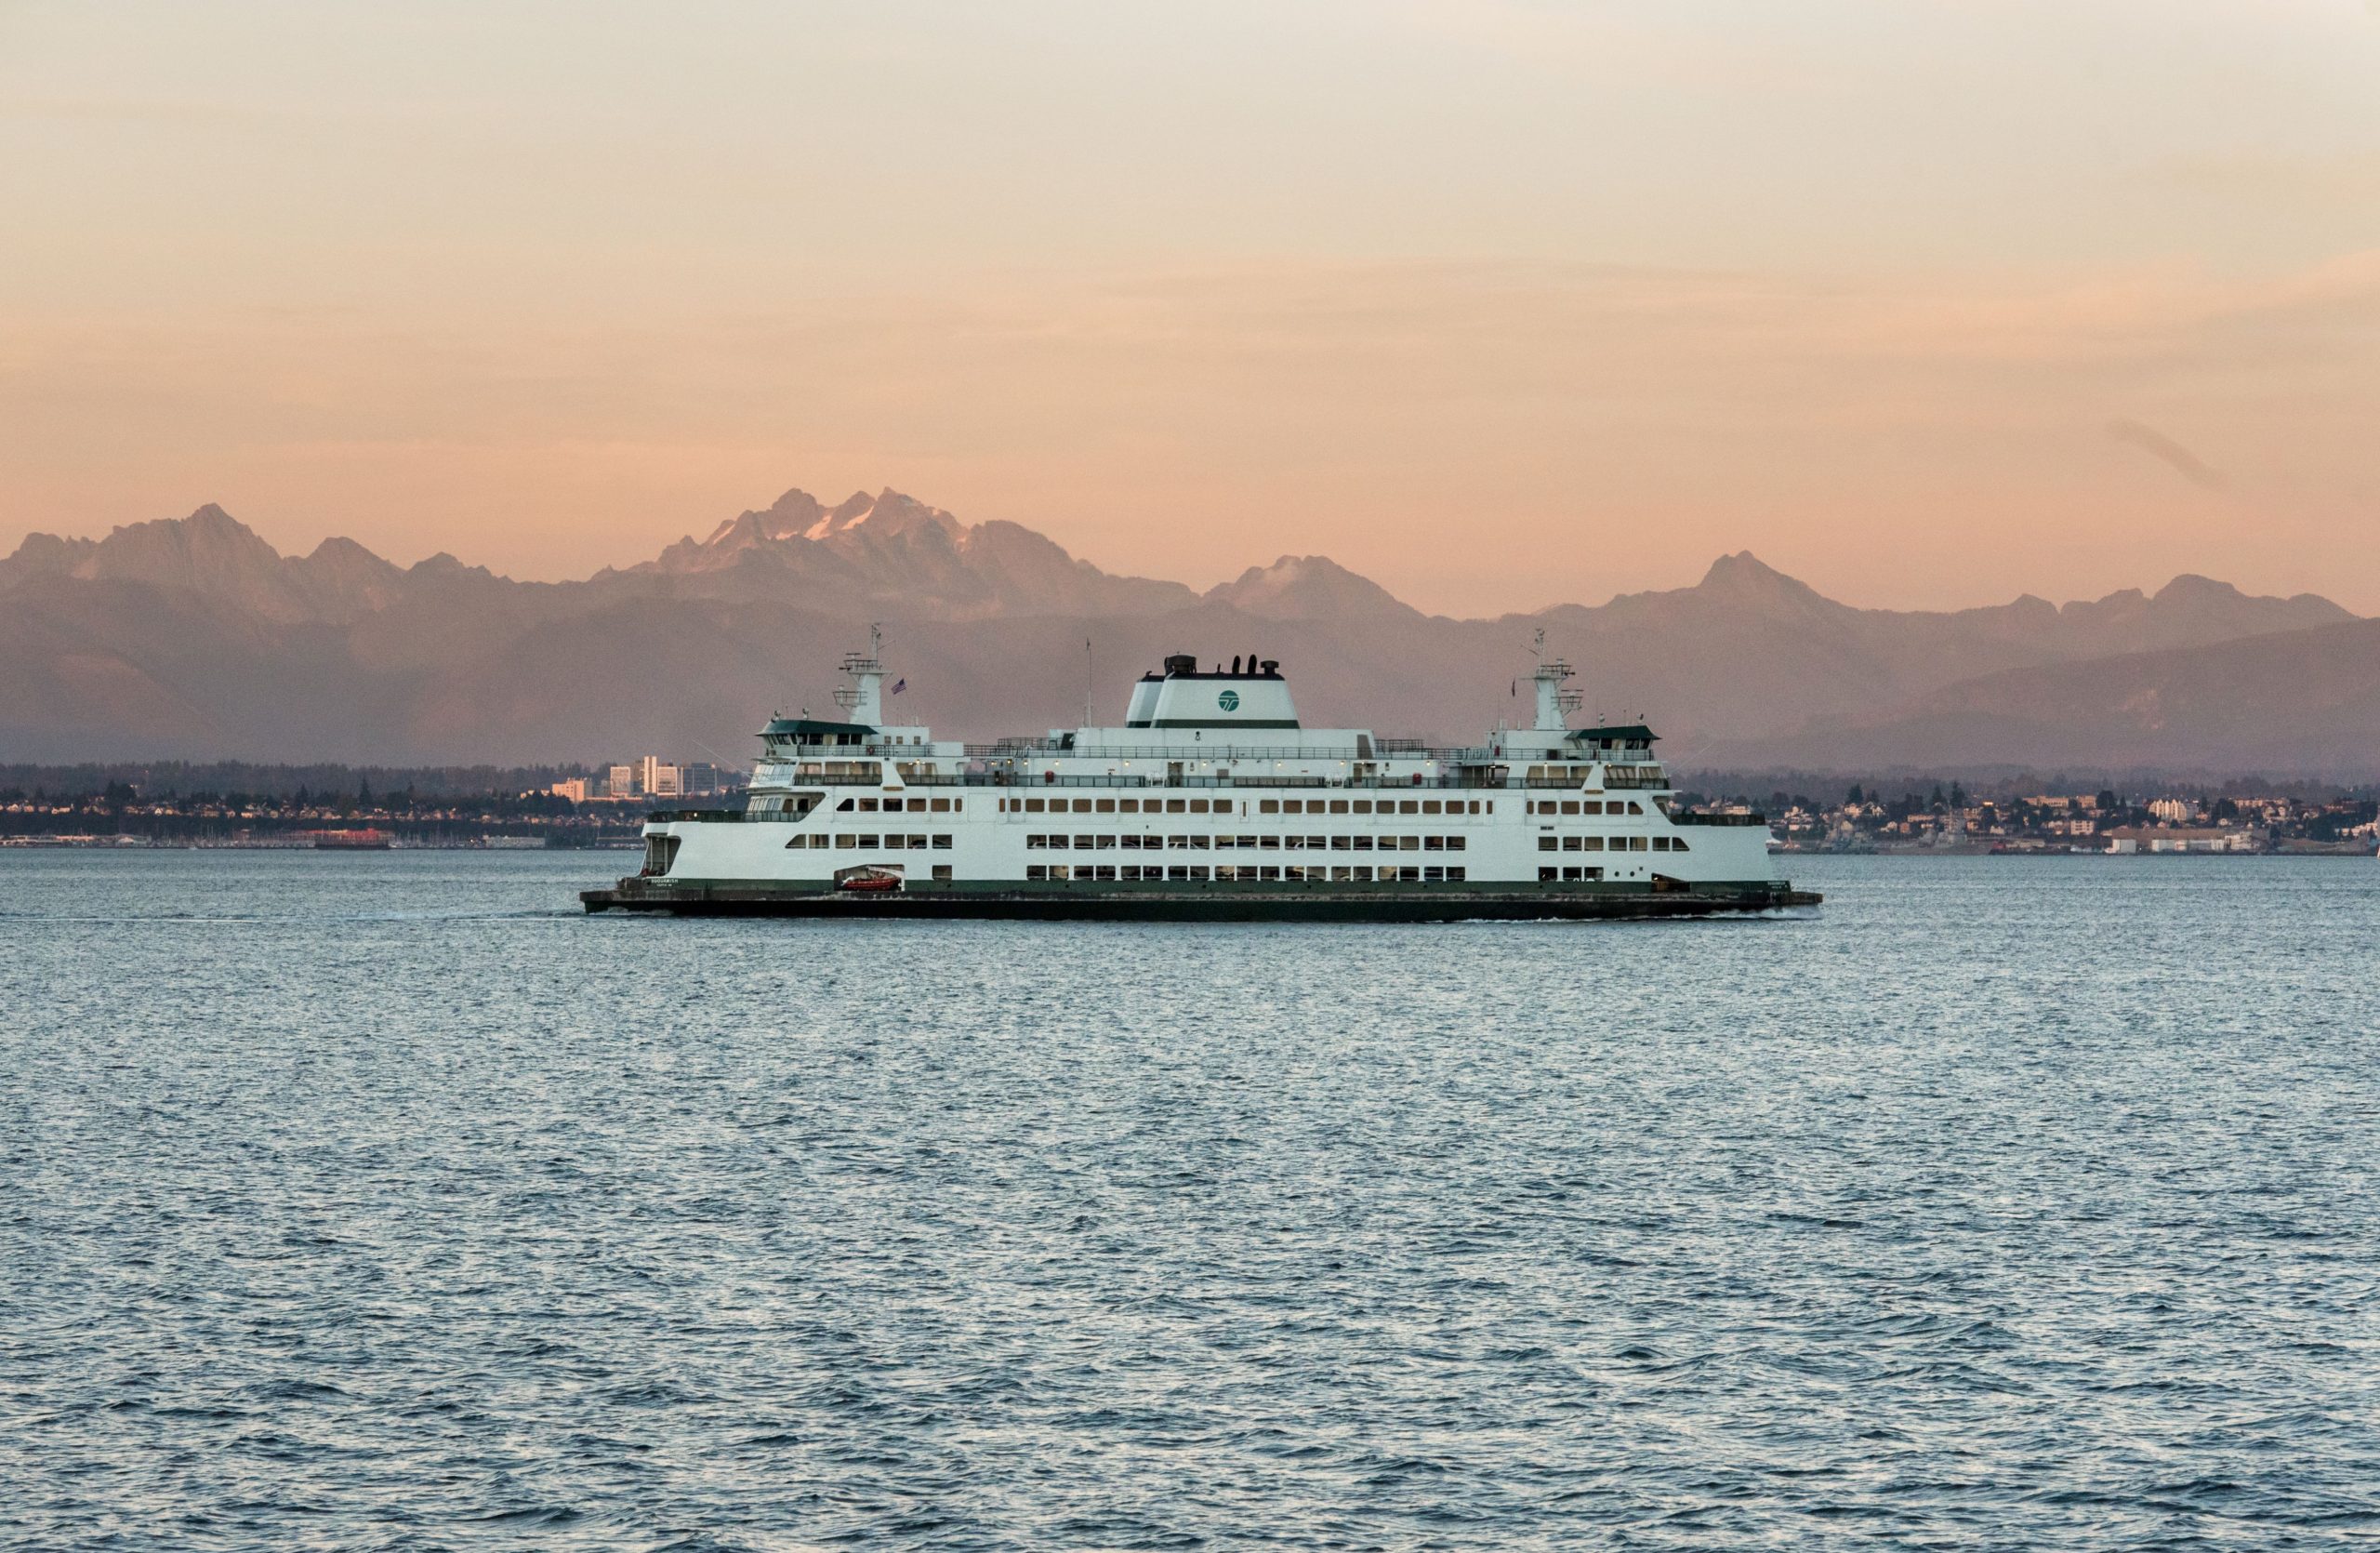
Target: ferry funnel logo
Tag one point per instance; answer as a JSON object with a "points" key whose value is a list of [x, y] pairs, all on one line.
{"points": [[1228, 701]]}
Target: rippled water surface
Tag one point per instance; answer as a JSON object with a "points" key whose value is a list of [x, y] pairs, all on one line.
{"points": [[382, 1200]]}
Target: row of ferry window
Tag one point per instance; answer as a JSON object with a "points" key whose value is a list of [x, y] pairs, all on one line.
{"points": [[1619, 844], [912, 841], [1195, 873], [1583, 806], [1268, 844], [899, 805], [1263, 805]]}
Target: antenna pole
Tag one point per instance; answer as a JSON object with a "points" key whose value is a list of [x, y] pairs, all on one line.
{"points": [[1086, 682]]}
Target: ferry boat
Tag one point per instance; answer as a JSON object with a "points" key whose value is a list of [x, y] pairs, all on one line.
{"points": [[1210, 801]]}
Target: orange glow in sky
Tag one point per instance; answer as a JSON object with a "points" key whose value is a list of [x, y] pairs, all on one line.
{"points": [[1498, 302]]}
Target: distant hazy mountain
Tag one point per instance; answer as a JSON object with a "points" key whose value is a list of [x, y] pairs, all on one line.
{"points": [[2298, 701], [194, 637]]}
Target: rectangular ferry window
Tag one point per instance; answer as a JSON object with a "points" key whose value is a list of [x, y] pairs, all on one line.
{"points": [[1082, 806], [1129, 805], [940, 805], [1410, 807], [1548, 843], [1033, 805], [1108, 843], [1570, 805], [1058, 843], [1429, 805], [1227, 873], [1084, 843], [1489, 807], [847, 841], [1632, 808], [1197, 843], [1591, 843], [1315, 843], [1549, 876], [1270, 873], [942, 871], [1269, 843], [1106, 806], [1679, 843], [1454, 844], [1433, 876], [1173, 805], [1338, 805], [942, 840], [1362, 843], [844, 807], [1247, 843], [1454, 876], [1434, 843], [1034, 872], [1108, 874], [1177, 873], [1363, 805], [1035, 842], [1340, 844], [1268, 805]]}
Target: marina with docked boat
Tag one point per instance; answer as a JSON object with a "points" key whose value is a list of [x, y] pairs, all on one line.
{"points": [[1209, 801]]}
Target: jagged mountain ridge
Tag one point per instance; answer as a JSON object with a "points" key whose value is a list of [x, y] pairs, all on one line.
{"points": [[194, 637]]}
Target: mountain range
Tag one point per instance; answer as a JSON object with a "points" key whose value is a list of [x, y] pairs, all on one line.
{"points": [[194, 638]]}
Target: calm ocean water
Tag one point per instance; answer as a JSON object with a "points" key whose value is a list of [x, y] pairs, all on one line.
{"points": [[385, 1202]]}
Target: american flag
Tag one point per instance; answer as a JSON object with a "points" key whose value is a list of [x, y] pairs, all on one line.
{"points": [[899, 685]]}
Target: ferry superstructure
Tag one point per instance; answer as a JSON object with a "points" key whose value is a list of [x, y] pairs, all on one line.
{"points": [[1212, 799]]}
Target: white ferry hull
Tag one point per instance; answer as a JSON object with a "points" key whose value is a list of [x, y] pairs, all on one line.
{"points": [[1209, 801]]}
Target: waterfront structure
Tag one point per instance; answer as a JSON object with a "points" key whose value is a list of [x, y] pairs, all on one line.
{"points": [[1211, 798]]}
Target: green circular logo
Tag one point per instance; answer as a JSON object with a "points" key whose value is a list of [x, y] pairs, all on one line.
{"points": [[1228, 701]]}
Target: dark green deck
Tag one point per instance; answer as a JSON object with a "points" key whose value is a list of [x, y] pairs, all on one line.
{"points": [[1212, 902]]}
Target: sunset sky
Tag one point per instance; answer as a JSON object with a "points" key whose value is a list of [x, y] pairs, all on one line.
{"points": [[1929, 303]]}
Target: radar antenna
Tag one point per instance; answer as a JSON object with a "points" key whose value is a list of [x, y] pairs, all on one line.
{"points": [[1555, 700], [863, 698]]}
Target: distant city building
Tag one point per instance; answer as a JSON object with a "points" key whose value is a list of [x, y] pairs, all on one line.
{"points": [[2173, 810], [659, 778], [623, 782], [575, 789]]}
